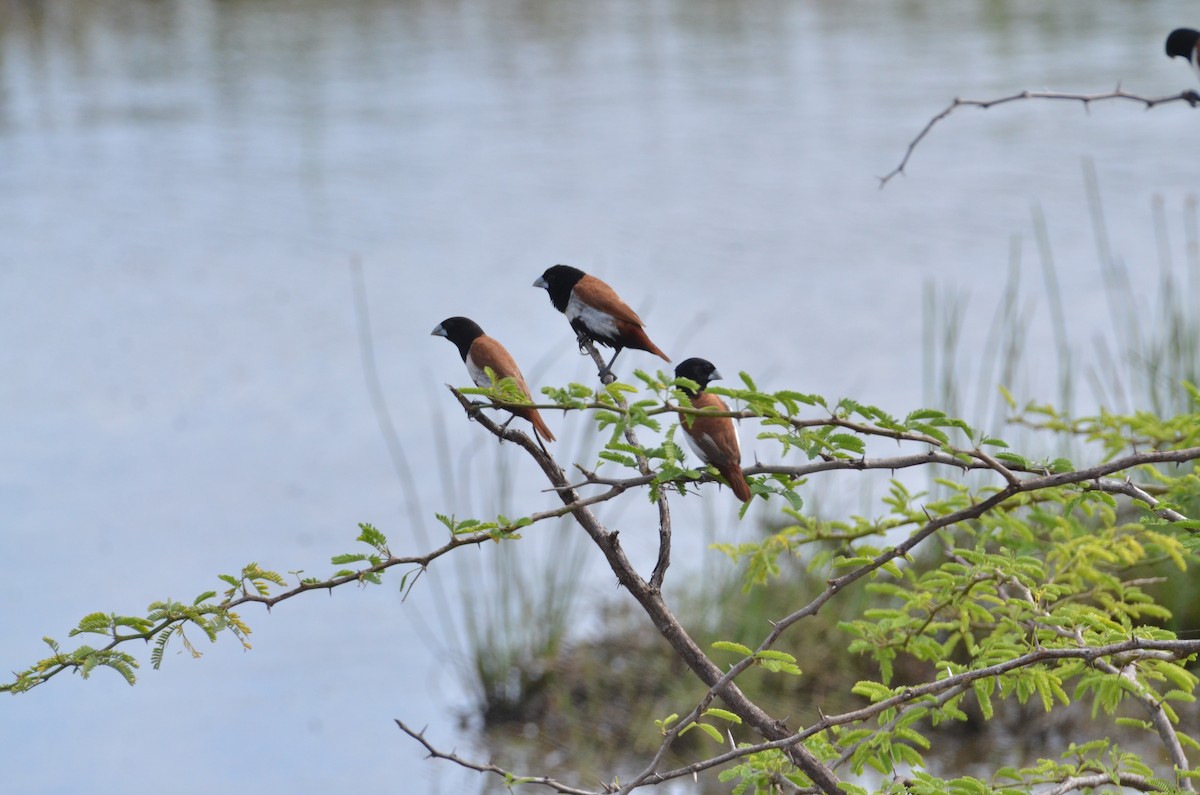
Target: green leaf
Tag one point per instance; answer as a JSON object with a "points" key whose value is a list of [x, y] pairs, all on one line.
{"points": [[848, 441], [617, 458], [1013, 459], [736, 648], [370, 535], [723, 714], [771, 654], [708, 729]]}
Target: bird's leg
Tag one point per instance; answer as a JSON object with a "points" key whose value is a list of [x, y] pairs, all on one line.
{"points": [[606, 373], [582, 338]]}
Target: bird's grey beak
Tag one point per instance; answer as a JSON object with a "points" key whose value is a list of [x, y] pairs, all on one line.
{"points": [[715, 376], [438, 331], [540, 282]]}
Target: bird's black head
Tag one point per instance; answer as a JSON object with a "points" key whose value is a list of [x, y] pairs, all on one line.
{"points": [[699, 370], [1182, 42], [462, 331], [559, 281]]}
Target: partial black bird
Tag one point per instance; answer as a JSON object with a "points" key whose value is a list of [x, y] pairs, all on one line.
{"points": [[1182, 43], [713, 439], [479, 351], [596, 311]]}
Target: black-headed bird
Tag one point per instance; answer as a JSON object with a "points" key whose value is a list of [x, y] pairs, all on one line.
{"points": [[596, 311], [713, 439], [479, 351], [1182, 42]]}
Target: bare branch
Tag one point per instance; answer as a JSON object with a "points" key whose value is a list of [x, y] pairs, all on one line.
{"points": [[508, 777], [1128, 780], [1130, 489], [1190, 97]]}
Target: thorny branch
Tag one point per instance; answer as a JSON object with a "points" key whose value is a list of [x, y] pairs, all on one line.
{"points": [[941, 690], [1176, 649], [1017, 480], [1092, 475], [359, 576], [1190, 97], [488, 767], [664, 620], [664, 510]]}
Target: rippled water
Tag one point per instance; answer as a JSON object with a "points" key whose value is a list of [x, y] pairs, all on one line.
{"points": [[184, 184]]}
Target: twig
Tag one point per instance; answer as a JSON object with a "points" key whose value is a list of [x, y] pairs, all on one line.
{"points": [[1130, 489], [1190, 97], [508, 777], [664, 510], [421, 561], [1129, 780]]}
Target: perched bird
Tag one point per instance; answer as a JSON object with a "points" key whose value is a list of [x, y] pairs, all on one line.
{"points": [[480, 351], [1182, 42], [596, 312], [714, 439]]}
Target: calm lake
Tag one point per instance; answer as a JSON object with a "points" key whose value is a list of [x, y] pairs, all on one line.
{"points": [[183, 189]]}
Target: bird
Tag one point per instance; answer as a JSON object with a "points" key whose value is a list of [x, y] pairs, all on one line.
{"points": [[596, 312], [1182, 42], [713, 439], [479, 351]]}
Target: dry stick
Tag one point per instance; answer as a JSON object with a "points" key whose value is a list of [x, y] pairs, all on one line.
{"points": [[664, 620], [545, 781], [1190, 97]]}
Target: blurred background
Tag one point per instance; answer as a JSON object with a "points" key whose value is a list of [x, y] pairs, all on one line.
{"points": [[185, 185]]}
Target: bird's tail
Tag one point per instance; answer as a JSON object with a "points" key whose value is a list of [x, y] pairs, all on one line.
{"points": [[539, 425], [737, 481], [643, 342]]}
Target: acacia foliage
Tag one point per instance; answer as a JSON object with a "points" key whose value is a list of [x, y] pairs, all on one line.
{"points": [[1015, 577]]}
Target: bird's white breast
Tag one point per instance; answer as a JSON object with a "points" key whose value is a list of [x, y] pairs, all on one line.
{"points": [[478, 374], [599, 323]]}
